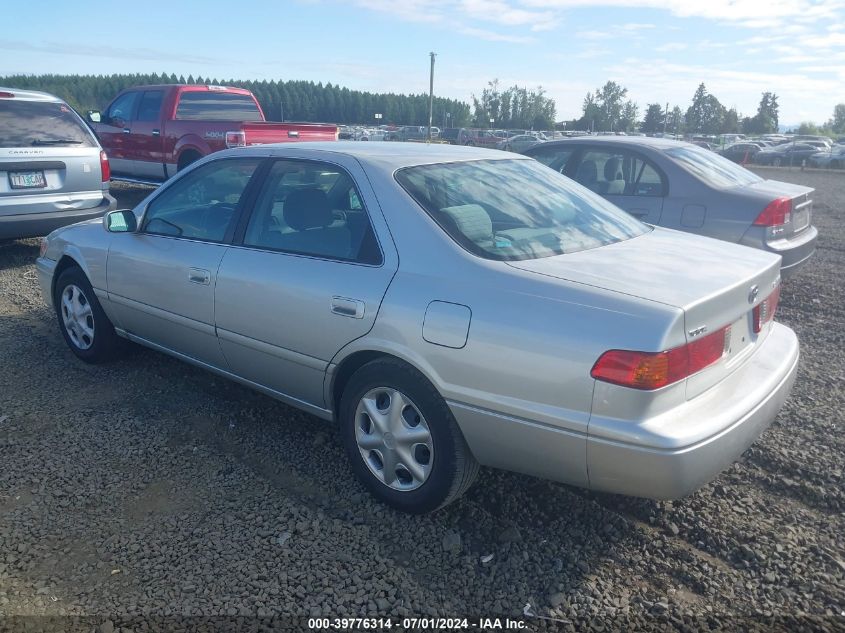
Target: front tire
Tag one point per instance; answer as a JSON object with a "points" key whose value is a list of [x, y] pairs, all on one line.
{"points": [[402, 439], [85, 327]]}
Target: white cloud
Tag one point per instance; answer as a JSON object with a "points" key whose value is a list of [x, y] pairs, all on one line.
{"points": [[671, 46]]}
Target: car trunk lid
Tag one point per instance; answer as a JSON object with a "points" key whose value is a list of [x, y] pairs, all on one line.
{"points": [[715, 283]]}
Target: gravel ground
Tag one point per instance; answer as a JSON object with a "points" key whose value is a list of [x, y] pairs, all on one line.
{"points": [[148, 494]]}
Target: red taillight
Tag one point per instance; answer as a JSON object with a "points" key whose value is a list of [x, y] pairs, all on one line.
{"points": [[6, 95], [104, 166], [765, 310], [653, 370], [776, 213], [236, 139]]}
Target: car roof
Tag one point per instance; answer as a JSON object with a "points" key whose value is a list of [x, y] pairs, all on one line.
{"points": [[31, 95], [641, 141], [394, 155]]}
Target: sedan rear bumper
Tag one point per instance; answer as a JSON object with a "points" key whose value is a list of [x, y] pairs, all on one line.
{"points": [[38, 224], [736, 411]]}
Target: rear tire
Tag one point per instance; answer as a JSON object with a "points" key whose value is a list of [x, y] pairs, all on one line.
{"points": [[186, 159], [777, 162], [410, 454], [85, 327]]}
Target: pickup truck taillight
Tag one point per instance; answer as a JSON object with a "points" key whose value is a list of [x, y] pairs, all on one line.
{"points": [[105, 170], [236, 139], [653, 370]]}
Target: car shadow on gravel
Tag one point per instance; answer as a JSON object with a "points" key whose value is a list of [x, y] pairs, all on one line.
{"points": [[18, 253]]}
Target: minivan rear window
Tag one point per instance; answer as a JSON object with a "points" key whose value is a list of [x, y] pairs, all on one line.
{"points": [[41, 124], [217, 106]]}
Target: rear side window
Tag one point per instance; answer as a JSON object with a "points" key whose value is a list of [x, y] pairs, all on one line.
{"points": [[38, 123], [618, 172], [716, 171], [150, 106], [201, 205], [217, 106]]}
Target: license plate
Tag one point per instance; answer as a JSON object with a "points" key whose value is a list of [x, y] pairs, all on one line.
{"points": [[801, 219], [27, 179]]}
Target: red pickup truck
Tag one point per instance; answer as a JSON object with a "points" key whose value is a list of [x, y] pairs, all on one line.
{"points": [[151, 132]]}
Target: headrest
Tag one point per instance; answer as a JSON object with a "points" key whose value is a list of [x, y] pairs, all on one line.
{"points": [[612, 169], [587, 172], [307, 209], [472, 220]]}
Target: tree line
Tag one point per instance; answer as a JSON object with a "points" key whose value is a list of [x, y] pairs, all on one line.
{"points": [[280, 100]]}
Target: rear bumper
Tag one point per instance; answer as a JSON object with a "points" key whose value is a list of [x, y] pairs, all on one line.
{"points": [[38, 224], [794, 251], [735, 413]]}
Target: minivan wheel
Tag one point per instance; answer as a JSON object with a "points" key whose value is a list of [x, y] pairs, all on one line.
{"points": [[402, 440], [85, 327]]}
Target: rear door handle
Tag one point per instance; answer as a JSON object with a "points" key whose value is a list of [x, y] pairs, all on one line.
{"points": [[126, 130], [199, 276], [348, 307], [156, 132]]}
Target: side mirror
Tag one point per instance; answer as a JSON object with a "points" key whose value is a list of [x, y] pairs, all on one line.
{"points": [[94, 116], [120, 221]]}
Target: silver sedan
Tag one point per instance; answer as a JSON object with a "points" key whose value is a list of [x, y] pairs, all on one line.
{"points": [[684, 187], [446, 307]]}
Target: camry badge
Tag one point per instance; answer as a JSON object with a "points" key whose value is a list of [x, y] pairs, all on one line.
{"points": [[752, 294], [697, 331]]}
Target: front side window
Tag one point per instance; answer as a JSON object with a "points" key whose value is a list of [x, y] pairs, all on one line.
{"points": [[312, 208], [122, 109], [618, 172], [716, 171], [215, 105], [201, 205], [515, 209], [36, 123]]}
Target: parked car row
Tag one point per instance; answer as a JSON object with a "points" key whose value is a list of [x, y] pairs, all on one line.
{"points": [[641, 360]]}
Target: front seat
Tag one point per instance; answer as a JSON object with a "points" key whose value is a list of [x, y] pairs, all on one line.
{"points": [[472, 223]]}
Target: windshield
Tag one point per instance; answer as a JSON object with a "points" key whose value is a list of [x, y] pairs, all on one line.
{"points": [[41, 123], [713, 169], [515, 209]]}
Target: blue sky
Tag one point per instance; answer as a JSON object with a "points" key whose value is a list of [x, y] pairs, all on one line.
{"points": [[660, 50]]}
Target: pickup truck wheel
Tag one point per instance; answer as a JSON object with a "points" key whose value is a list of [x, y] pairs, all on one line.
{"points": [[402, 439], [186, 159], [85, 327]]}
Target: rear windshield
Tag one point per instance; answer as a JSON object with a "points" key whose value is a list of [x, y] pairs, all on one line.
{"points": [[515, 209], [39, 123], [217, 106], [713, 169]]}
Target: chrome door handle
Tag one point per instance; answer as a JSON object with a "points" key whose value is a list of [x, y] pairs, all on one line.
{"points": [[199, 276], [348, 307], [156, 132], [126, 130]]}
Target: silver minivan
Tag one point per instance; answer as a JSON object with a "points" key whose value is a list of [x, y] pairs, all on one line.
{"points": [[53, 171]]}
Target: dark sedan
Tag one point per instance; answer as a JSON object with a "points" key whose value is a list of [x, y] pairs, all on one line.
{"points": [[833, 159], [687, 188], [740, 152], [785, 154]]}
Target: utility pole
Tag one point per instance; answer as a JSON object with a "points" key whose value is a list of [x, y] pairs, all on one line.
{"points": [[665, 118], [431, 95]]}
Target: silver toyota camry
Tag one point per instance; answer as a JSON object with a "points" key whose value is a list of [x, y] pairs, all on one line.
{"points": [[447, 307]]}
